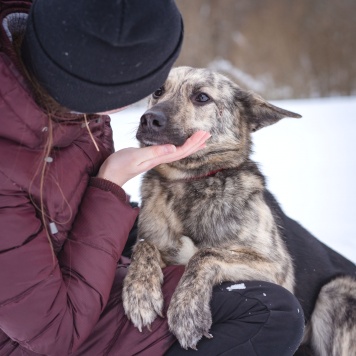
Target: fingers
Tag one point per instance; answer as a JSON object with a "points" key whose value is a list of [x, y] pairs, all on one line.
{"points": [[192, 144], [129, 162], [166, 154]]}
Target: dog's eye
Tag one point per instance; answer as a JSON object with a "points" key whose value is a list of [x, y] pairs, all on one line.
{"points": [[201, 98], [158, 93]]}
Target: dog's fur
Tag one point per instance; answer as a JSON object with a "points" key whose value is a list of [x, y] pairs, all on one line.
{"points": [[209, 211]]}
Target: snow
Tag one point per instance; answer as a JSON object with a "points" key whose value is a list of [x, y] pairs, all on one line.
{"points": [[310, 165], [236, 286]]}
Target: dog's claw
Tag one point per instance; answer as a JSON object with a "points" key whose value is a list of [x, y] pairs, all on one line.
{"points": [[208, 335], [159, 313]]}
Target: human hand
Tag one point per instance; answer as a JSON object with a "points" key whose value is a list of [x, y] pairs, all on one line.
{"points": [[127, 163]]}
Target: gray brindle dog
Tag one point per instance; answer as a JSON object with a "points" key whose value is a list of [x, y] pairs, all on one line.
{"points": [[212, 212]]}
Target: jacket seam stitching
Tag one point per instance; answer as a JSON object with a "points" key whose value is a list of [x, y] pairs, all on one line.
{"points": [[93, 246], [17, 298], [12, 181]]}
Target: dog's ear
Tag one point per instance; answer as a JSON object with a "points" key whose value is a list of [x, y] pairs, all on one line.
{"points": [[262, 113]]}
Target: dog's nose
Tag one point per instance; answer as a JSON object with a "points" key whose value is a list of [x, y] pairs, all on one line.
{"points": [[153, 121]]}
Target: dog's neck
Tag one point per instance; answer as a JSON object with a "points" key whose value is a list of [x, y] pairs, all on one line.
{"points": [[176, 175], [206, 175]]}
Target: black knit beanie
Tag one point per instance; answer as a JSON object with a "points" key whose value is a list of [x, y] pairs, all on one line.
{"points": [[99, 55]]}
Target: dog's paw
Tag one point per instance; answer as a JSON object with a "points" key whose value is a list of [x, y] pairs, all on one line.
{"points": [[142, 296], [189, 317]]}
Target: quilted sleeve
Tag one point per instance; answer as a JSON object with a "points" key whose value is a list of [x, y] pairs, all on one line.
{"points": [[49, 304]]}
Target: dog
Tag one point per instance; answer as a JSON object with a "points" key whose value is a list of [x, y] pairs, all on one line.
{"points": [[211, 211]]}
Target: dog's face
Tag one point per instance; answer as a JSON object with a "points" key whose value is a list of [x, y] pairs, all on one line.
{"points": [[198, 99]]}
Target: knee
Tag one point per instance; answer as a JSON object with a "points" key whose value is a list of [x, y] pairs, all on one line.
{"points": [[286, 318], [273, 296], [277, 298], [276, 310], [279, 301]]}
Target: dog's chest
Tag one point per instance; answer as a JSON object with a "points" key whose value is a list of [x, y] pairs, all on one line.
{"points": [[204, 209], [222, 210]]}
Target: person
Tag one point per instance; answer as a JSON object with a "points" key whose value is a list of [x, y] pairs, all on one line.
{"points": [[64, 216]]}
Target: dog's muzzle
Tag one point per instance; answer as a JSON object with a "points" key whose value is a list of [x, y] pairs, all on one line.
{"points": [[151, 129], [153, 122], [155, 129]]}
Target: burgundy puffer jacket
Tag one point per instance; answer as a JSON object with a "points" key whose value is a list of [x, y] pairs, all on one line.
{"points": [[67, 303]]}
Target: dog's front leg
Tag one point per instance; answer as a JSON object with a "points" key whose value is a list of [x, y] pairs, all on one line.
{"points": [[142, 293], [189, 315]]}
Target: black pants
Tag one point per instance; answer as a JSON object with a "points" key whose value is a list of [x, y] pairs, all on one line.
{"points": [[262, 319]]}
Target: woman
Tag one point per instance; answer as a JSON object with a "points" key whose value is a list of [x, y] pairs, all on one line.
{"points": [[64, 217]]}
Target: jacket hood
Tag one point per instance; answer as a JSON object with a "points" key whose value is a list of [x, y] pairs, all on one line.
{"points": [[23, 121]]}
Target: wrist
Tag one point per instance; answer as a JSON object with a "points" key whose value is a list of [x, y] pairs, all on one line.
{"points": [[106, 174], [109, 186], [116, 180]]}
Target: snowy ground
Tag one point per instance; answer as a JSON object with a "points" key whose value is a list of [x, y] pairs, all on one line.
{"points": [[310, 165]]}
